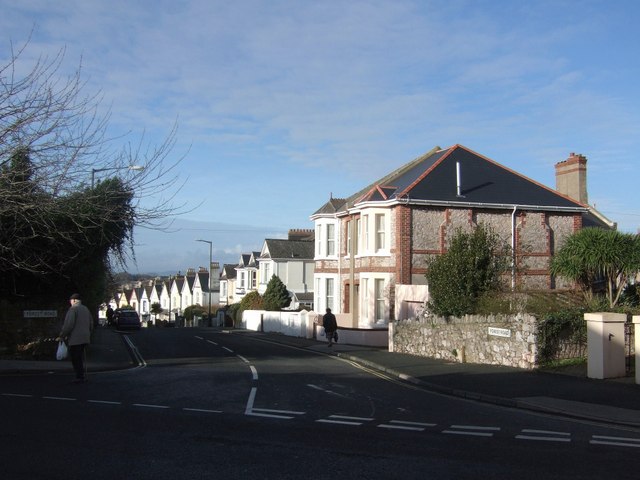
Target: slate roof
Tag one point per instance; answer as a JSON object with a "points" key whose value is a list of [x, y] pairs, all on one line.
{"points": [[285, 249], [432, 180], [203, 278], [228, 271]]}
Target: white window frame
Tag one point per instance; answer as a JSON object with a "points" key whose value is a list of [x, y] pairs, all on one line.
{"points": [[380, 225], [330, 293], [379, 303], [374, 304], [331, 239], [364, 298]]}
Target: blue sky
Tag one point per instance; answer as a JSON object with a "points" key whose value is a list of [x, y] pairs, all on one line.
{"points": [[282, 103]]}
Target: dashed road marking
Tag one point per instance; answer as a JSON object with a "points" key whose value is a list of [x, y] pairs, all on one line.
{"points": [[544, 435], [404, 425], [201, 410], [345, 420], [147, 405], [471, 430], [615, 441], [105, 402]]}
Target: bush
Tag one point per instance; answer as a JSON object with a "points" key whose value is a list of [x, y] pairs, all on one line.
{"points": [[566, 327], [471, 268], [251, 301], [276, 296]]}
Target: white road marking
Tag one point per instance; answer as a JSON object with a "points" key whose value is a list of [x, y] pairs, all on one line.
{"points": [[16, 395], [339, 422], [227, 349], [212, 343], [202, 410], [345, 420], [146, 405], [61, 398], [252, 398], [106, 402], [243, 359], [330, 392], [403, 425], [270, 410], [544, 435], [615, 441], [254, 372], [471, 430]]}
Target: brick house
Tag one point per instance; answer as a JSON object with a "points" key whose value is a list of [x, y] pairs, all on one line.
{"points": [[371, 248]]}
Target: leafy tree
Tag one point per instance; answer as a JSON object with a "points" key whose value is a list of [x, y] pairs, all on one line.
{"points": [[471, 267], [156, 309], [60, 226], [276, 296], [251, 301], [193, 311], [594, 255]]}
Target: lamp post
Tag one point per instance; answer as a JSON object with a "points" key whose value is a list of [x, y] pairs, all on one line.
{"points": [[137, 168], [209, 269]]}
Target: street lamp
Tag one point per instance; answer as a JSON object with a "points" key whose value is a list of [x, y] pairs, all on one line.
{"points": [[137, 168], [210, 262]]}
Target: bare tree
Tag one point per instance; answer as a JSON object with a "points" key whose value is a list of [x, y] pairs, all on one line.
{"points": [[53, 141]]}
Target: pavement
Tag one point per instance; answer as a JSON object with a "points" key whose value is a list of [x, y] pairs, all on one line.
{"points": [[565, 392]]}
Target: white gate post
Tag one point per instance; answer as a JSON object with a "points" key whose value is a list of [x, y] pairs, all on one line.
{"points": [[636, 335], [605, 344]]}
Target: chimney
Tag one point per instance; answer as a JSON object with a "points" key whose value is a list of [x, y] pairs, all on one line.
{"points": [[215, 276], [571, 177]]}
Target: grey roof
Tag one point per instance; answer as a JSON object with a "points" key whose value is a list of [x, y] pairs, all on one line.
{"points": [[228, 271], [203, 277], [432, 180], [304, 297], [333, 206], [287, 249]]}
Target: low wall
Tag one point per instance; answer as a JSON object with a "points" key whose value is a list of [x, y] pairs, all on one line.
{"points": [[309, 325], [358, 336], [490, 340], [293, 324]]}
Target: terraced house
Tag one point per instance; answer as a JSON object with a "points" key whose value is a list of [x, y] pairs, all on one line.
{"points": [[371, 248]]}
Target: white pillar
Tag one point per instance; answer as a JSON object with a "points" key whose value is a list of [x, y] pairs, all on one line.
{"points": [[636, 331], [605, 345]]}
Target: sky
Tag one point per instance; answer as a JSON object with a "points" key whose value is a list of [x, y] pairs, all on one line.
{"points": [[281, 104]]}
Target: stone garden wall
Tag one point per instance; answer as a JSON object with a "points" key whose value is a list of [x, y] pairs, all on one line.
{"points": [[495, 340]]}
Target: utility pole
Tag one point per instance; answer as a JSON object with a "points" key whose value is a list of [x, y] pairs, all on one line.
{"points": [[209, 269]]}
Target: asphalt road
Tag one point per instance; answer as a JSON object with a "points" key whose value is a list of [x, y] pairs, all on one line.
{"points": [[207, 404]]}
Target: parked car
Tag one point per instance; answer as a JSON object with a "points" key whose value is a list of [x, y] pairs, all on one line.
{"points": [[125, 319]]}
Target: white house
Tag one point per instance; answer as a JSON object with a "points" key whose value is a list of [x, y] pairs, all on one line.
{"points": [[246, 274], [292, 261], [228, 277]]}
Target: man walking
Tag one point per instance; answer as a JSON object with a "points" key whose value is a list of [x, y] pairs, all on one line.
{"points": [[330, 326], [76, 332]]}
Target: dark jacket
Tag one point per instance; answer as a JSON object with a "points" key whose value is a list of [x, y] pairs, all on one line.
{"points": [[329, 322], [78, 324]]}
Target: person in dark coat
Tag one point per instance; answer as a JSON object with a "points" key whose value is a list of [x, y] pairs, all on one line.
{"points": [[76, 333], [330, 326]]}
